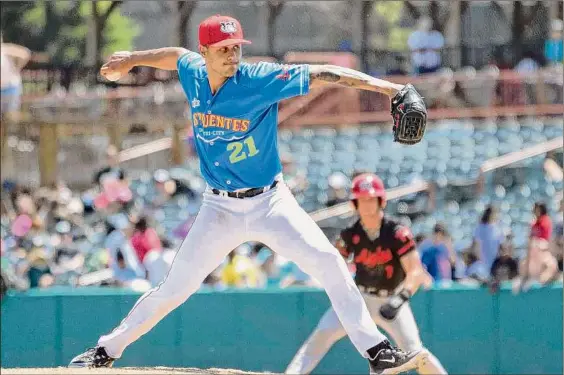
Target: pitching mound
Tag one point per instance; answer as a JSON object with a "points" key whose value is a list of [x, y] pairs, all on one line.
{"points": [[126, 370]]}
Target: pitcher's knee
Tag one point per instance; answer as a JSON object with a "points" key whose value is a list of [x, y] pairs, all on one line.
{"points": [[329, 264]]}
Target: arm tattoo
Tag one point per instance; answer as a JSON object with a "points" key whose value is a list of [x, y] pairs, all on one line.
{"points": [[340, 75], [326, 76]]}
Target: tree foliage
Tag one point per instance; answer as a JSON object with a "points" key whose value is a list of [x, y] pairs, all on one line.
{"points": [[60, 28]]}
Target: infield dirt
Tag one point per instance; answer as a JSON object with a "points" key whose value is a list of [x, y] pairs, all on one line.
{"points": [[126, 370]]}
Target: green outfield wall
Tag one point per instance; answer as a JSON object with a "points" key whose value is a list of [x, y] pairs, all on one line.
{"points": [[469, 329]]}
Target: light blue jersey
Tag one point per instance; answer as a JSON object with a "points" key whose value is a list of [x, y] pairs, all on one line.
{"points": [[235, 130]]}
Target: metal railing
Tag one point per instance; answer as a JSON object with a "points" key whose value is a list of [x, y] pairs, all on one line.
{"points": [[464, 94], [448, 94]]}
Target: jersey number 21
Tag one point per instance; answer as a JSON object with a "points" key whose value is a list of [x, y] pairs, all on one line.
{"points": [[237, 153]]}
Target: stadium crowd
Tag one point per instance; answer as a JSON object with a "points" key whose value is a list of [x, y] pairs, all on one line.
{"points": [[111, 235]]}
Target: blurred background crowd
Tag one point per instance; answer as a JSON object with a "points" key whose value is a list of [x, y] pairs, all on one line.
{"points": [[100, 181]]}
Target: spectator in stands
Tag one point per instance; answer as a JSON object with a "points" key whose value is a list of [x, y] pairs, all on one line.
{"points": [[145, 239], [242, 271], [539, 265], [528, 66], [38, 266], [542, 226], [337, 193], [211, 280], [268, 262], [52, 225], [557, 243], [437, 254], [297, 277], [474, 270], [112, 168], [448, 93], [68, 260], [554, 46], [419, 239], [553, 53], [4, 285], [487, 237], [166, 187], [12, 60], [425, 45], [529, 63], [295, 178], [169, 187], [505, 266], [123, 275], [118, 241], [399, 67], [557, 246]]}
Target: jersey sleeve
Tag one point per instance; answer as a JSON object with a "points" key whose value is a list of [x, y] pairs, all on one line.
{"points": [[277, 82], [403, 241], [187, 64]]}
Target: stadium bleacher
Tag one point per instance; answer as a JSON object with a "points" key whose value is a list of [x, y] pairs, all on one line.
{"points": [[451, 153], [450, 157]]}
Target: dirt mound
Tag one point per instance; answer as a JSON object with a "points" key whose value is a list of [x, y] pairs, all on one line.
{"points": [[126, 370]]}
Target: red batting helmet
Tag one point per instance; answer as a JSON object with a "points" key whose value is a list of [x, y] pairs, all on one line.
{"points": [[368, 185]]}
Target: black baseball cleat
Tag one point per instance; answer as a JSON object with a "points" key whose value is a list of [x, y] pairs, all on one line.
{"points": [[93, 357], [391, 360]]}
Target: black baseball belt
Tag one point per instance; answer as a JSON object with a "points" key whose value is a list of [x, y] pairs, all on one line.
{"points": [[375, 291], [247, 193]]}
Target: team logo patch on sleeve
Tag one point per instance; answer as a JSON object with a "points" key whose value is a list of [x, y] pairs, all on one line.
{"points": [[285, 74], [403, 234]]}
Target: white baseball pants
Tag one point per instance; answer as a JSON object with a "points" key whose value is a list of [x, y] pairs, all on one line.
{"points": [[403, 329], [273, 218]]}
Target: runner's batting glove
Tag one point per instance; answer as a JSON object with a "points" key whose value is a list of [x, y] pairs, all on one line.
{"points": [[410, 116], [390, 309]]}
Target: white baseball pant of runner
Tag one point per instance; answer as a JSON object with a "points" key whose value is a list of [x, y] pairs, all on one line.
{"points": [[403, 329], [273, 218]]}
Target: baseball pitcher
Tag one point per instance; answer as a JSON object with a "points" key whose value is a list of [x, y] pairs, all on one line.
{"points": [[234, 116], [388, 273]]}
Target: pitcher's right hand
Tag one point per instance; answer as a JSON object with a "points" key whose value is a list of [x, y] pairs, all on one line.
{"points": [[119, 63]]}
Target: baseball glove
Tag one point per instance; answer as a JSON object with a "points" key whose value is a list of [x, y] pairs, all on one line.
{"points": [[410, 116], [390, 309]]}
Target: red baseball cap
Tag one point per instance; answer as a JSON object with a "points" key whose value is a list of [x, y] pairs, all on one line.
{"points": [[220, 31]]}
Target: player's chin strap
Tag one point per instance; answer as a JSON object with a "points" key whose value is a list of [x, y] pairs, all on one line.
{"points": [[390, 309]]}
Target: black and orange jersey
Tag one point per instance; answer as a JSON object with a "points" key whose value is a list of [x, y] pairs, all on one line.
{"points": [[377, 262]]}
